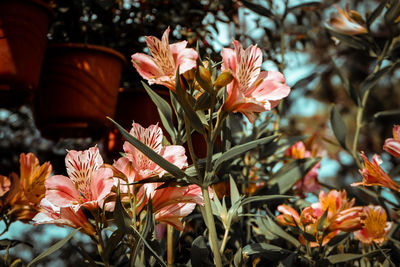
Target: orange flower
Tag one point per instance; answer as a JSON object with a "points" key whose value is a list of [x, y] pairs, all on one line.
{"points": [[392, 145], [373, 174], [347, 22], [375, 227], [26, 191], [341, 216]]}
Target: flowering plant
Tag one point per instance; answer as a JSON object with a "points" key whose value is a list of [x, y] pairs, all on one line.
{"points": [[254, 198]]}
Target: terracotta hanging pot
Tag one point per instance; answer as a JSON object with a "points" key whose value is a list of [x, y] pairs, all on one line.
{"points": [[78, 89], [24, 25], [134, 105]]}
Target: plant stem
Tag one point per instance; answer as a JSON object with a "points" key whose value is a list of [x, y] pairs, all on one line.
{"points": [[170, 245], [226, 234], [211, 228]]}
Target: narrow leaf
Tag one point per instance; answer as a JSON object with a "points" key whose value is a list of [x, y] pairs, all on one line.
{"points": [[259, 9], [121, 217], [240, 149], [248, 200], [313, 4], [277, 230], [164, 109], [266, 250], [375, 14], [320, 225], [374, 78], [159, 160], [290, 173], [351, 41], [182, 98], [338, 127], [54, 247], [386, 113], [346, 257]]}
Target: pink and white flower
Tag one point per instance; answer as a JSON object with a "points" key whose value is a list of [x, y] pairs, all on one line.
{"points": [[161, 68], [252, 90], [88, 182], [152, 137], [64, 216]]}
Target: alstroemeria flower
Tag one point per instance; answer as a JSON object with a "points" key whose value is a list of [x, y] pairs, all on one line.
{"points": [[161, 68], [252, 90], [88, 183], [344, 22], [152, 137], [341, 216], [376, 227], [64, 216], [171, 204], [392, 145], [373, 174], [309, 183], [27, 190]]}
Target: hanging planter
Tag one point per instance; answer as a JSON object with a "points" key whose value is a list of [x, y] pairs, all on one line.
{"points": [[78, 89], [134, 105], [23, 28]]}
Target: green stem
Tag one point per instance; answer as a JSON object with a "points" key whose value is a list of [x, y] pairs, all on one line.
{"points": [[211, 228], [226, 234]]}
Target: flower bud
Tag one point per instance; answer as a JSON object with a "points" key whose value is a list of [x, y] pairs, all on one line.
{"points": [[356, 16], [190, 75], [223, 79], [203, 77]]}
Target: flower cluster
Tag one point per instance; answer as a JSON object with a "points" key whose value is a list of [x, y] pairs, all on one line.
{"points": [[323, 220], [250, 91]]}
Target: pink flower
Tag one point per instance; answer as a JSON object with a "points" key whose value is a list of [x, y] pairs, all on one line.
{"points": [[170, 204], [64, 216], [161, 68], [88, 183], [373, 174], [347, 22], [392, 145], [152, 137], [252, 91], [375, 227], [309, 183]]}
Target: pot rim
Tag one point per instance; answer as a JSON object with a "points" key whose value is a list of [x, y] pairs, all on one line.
{"points": [[84, 46]]}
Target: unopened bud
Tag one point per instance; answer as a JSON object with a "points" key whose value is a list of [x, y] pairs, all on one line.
{"points": [[356, 16], [203, 77], [190, 75], [223, 79]]}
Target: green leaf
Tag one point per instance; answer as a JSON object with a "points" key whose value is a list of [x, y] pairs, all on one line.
{"points": [[375, 14], [7, 243], [159, 160], [269, 251], [248, 200], [303, 83], [113, 242], [200, 253], [336, 240], [393, 11], [320, 225], [338, 127], [351, 91], [259, 9], [54, 247], [164, 109], [275, 229], [305, 5], [121, 217], [203, 102], [346, 257], [290, 173], [374, 78], [240, 149], [350, 40], [183, 99], [387, 113]]}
